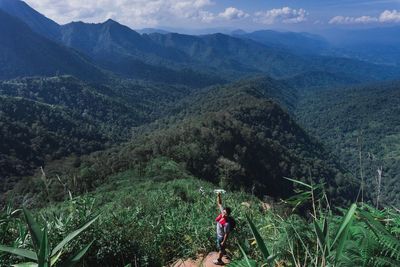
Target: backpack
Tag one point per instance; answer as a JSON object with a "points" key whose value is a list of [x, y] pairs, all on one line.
{"points": [[232, 223]]}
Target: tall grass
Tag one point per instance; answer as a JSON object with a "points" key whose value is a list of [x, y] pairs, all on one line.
{"points": [[155, 219], [362, 236], [42, 255]]}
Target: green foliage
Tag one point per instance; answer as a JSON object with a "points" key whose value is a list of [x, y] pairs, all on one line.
{"points": [[164, 215], [42, 254], [359, 119], [358, 239], [231, 135], [260, 242], [45, 119]]}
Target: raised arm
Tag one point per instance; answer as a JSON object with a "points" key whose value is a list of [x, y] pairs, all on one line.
{"points": [[219, 202]]}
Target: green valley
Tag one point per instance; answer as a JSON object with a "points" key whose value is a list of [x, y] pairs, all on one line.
{"points": [[186, 146]]}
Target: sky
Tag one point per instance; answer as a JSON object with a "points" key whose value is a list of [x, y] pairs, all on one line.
{"points": [[305, 15]]}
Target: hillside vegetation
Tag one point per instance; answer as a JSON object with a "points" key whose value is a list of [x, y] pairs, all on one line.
{"points": [[233, 136], [160, 214], [113, 142], [359, 119], [50, 118]]}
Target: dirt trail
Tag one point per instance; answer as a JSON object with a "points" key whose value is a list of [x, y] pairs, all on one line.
{"points": [[201, 261]]}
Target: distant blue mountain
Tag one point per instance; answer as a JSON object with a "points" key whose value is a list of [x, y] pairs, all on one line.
{"points": [[152, 30], [123, 51], [381, 36], [113, 41], [23, 52], [38, 23], [300, 43], [375, 45]]}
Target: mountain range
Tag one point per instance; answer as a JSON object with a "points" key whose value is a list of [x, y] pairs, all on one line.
{"points": [[124, 52], [301, 43], [192, 98], [26, 53], [127, 134]]}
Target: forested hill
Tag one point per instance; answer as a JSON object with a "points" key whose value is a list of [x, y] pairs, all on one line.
{"points": [[127, 135], [241, 140], [43, 119], [33, 133], [211, 99], [358, 119], [319, 80]]}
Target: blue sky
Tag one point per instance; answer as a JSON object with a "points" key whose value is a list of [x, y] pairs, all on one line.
{"points": [[305, 15]]}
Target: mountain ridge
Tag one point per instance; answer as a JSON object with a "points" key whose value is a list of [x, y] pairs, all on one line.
{"points": [[26, 53], [118, 49], [35, 20]]}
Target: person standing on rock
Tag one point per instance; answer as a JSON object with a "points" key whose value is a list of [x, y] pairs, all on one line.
{"points": [[224, 226]]}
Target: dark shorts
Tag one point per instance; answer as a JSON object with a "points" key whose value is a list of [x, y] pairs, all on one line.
{"points": [[219, 241]]}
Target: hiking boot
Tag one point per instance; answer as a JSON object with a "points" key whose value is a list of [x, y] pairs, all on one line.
{"points": [[218, 262]]}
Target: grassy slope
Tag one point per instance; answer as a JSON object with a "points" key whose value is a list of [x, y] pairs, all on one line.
{"points": [[160, 216], [157, 217]]}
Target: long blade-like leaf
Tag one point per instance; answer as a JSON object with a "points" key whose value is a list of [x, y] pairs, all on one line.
{"points": [[20, 252], [299, 182], [325, 231], [342, 241], [259, 240], [320, 235], [44, 251], [243, 263], [72, 235], [345, 222], [76, 258], [25, 264], [55, 258], [34, 229], [343, 232], [246, 259]]}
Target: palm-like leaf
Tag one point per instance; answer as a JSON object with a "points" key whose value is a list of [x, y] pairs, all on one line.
{"points": [[260, 242], [44, 251], [72, 235], [343, 232], [77, 257], [41, 244], [25, 264], [20, 252], [34, 229]]}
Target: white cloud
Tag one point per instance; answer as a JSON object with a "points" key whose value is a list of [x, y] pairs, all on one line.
{"points": [[232, 13], [390, 16], [352, 20], [386, 16], [134, 13], [284, 15]]}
